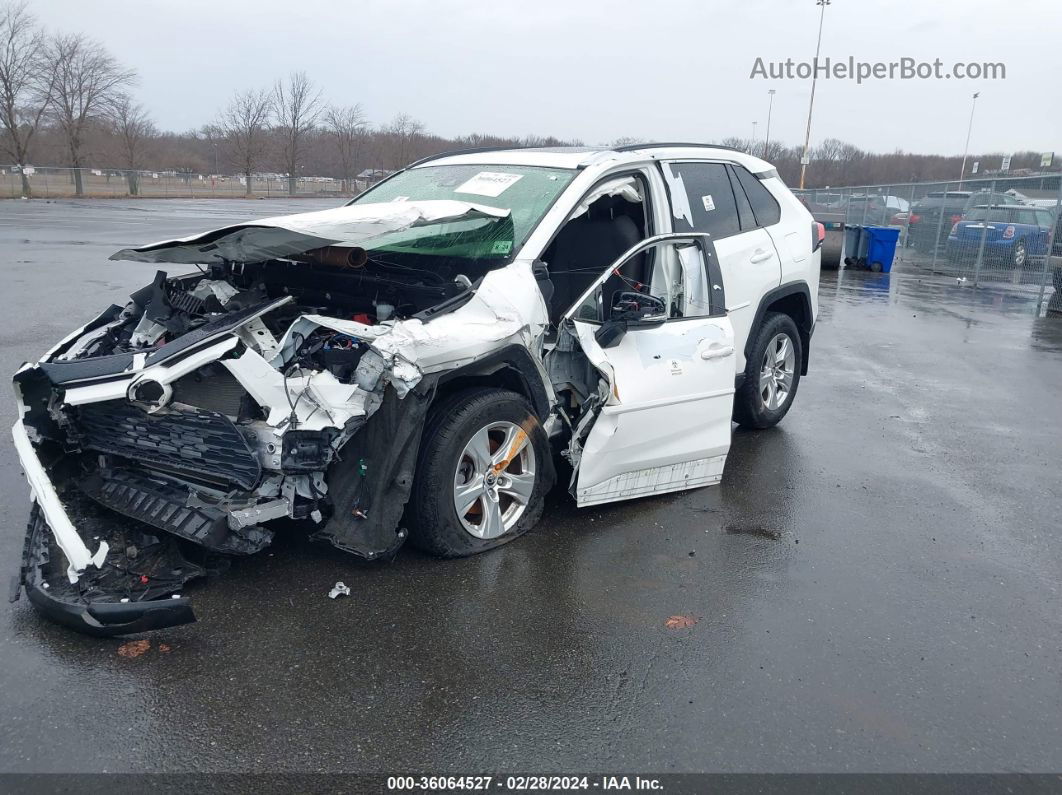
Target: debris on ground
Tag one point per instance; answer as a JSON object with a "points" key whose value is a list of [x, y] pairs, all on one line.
{"points": [[680, 622], [134, 648], [339, 589]]}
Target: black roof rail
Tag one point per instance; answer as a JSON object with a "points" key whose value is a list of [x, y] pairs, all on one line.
{"points": [[661, 144]]}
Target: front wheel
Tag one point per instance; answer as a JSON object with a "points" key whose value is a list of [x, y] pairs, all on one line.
{"points": [[772, 373], [484, 467]]}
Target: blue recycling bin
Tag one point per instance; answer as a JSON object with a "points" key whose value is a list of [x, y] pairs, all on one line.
{"points": [[881, 247]]}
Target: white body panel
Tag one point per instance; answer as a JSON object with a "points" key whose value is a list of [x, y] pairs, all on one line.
{"points": [[751, 268], [666, 426]]}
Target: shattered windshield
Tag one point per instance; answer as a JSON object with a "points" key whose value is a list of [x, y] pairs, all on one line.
{"points": [[527, 192]]}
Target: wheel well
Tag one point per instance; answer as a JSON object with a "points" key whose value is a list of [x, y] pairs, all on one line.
{"points": [[508, 369], [797, 306]]}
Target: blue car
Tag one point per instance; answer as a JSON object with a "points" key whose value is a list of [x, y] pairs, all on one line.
{"points": [[1012, 235]]}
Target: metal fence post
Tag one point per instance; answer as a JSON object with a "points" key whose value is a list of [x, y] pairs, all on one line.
{"points": [[984, 235], [907, 220], [940, 225], [1051, 240]]}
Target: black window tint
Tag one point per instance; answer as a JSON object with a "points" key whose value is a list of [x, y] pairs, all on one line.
{"points": [[702, 199], [745, 216], [763, 203]]}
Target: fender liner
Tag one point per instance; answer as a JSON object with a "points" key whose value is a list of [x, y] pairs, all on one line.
{"points": [[516, 359], [805, 324]]}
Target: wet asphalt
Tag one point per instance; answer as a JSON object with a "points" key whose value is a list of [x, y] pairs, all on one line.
{"points": [[875, 586]]}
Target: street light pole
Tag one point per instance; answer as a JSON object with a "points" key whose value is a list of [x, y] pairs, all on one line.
{"points": [[969, 130], [770, 107], [814, 78]]}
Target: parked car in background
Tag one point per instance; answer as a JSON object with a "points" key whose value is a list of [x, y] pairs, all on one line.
{"points": [[932, 217], [1013, 236], [874, 209]]}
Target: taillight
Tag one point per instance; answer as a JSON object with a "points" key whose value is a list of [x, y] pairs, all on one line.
{"points": [[914, 219], [1008, 233], [896, 220], [954, 229], [818, 234]]}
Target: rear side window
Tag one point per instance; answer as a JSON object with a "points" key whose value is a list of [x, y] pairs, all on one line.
{"points": [[764, 205], [745, 216], [702, 199]]}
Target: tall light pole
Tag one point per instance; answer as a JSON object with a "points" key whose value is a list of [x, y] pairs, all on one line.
{"points": [[752, 145], [969, 130], [770, 107], [804, 160]]}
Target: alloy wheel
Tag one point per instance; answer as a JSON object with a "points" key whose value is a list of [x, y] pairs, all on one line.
{"points": [[495, 479], [777, 372]]}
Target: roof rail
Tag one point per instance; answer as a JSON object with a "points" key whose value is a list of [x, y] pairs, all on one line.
{"points": [[661, 144], [472, 151]]}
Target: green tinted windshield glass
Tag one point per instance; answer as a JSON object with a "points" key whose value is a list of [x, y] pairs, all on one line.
{"points": [[526, 191]]}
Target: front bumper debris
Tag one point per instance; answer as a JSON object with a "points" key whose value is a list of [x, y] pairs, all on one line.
{"points": [[130, 584], [132, 592]]}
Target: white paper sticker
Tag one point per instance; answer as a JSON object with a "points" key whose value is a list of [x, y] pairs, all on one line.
{"points": [[488, 183], [709, 204]]}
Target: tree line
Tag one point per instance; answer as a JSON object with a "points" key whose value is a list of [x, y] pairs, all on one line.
{"points": [[65, 101]]}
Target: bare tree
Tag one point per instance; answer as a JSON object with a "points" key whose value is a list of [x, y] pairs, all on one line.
{"points": [[25, 83], [244, 123], [88, 80], [347, 125], [133, 131], [403, 129], [297, 105]]}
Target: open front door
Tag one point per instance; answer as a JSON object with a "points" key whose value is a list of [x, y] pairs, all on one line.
{"points": [[655, 327]]}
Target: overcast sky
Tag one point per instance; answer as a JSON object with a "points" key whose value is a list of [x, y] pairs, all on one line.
{"points": [[664, 70]]}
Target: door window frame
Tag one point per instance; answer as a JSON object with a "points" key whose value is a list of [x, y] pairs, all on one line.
{"points": [[713, 273]]}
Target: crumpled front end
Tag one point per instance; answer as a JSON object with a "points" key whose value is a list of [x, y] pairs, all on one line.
{"points": [[177, 431]]}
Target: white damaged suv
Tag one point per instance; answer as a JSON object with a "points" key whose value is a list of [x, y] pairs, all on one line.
{"points": [[407, 365]]}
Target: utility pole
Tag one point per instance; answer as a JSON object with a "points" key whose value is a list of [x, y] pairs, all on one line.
{"points": [[969, 130], [804, 159], [770, 107]]}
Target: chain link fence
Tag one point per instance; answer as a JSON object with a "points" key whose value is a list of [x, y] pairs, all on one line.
{"points": [[991, 230], [57, 183]]}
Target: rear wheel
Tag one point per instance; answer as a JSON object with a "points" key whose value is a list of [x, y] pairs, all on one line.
{"points": [[483, 470], [772, 373]]}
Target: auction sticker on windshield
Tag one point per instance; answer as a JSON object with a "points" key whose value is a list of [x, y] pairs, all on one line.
{"points": [[488, 183]]}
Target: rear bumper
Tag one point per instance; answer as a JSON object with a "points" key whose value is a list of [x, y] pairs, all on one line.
{"points": [[995, 250]]}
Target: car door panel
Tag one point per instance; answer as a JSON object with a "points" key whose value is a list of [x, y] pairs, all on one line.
{"points": [[664, 424], [706, 198], [751, 268]]}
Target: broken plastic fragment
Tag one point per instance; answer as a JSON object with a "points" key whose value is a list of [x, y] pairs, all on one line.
{"points": [[339, 589]]}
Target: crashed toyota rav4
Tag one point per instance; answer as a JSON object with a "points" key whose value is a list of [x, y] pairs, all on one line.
{"points": [[407, 365]]}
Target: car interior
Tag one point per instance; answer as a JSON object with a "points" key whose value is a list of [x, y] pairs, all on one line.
{"points": [[588, 243]]}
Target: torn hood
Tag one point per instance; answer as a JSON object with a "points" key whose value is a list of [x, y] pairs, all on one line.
{"points": [[289, 235]]}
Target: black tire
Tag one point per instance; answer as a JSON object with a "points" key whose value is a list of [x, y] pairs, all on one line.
{"points": [[434, 525], [749, 408]]}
